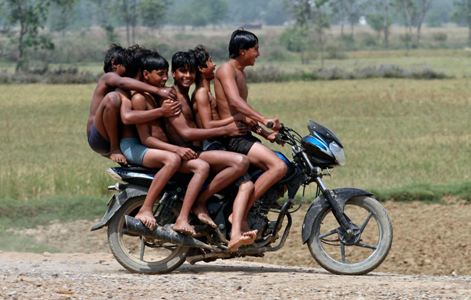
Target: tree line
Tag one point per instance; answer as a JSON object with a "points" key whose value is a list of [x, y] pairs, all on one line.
{"points": [[28, 23]]}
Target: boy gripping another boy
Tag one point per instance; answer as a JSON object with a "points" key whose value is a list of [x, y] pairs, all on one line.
{"points": [[154, 71], [104, 117], [226, 166]]}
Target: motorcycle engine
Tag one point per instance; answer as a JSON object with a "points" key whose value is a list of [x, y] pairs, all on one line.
{"points": [[258, 221]]}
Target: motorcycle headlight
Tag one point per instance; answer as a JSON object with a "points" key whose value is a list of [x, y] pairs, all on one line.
{"points": [[338, 153]]}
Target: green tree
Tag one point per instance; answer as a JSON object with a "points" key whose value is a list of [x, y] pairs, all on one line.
{"points": [[463, 15], [311, 15], [380, 18], [105, 11], [153, 12], [204, 12], [414, 13], [347, 11], [27, 18], [60, 16]]}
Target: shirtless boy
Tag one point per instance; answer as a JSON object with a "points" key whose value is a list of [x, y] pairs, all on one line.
{"points": [[154, 71], [226, 166], [102, 125], [206, 114], [231, 97]]}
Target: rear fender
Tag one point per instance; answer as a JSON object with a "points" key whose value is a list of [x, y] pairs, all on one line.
{"points": [[116, 201], [342, 196]]}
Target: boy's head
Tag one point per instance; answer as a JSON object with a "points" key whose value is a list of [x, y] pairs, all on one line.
{"points": [[115, 60], [204, 63], [154, 69], [243, 41], [183, 69], [134, 56]]}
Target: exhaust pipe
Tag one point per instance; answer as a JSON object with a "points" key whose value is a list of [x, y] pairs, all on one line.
{"points": [[164, 233]]}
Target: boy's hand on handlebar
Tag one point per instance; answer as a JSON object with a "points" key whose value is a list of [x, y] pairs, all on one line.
{"points": [[274, 137], [273, 123], [170, 108], [167, 93]]}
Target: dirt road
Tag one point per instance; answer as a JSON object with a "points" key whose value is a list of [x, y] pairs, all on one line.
{"points": [[99, 276]]}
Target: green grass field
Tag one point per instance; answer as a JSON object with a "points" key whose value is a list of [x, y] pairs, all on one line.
{"points": [[397, 134]]}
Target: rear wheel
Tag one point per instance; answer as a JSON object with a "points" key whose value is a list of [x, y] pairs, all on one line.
{"points": [[140, 254], [352, 253]]}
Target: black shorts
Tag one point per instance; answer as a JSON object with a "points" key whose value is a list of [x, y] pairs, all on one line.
{"points": [[213, 144], [240, 144]]}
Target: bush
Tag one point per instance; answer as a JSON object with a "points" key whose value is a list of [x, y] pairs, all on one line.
{"points": [[439, 37], [368, 40], [267, 73], [57, 76], [335, 51]]}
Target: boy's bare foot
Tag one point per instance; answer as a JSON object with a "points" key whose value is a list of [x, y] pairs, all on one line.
{"points": [[184, 228], [203, 215], [235, 243], [147, 218], [118, 157], [251, 233]]}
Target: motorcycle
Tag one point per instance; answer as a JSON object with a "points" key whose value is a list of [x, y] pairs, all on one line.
{"points": [[346, 230]]}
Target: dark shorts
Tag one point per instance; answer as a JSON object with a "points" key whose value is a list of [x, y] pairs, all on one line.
{"points": [[97, 142], [213, 144], [240, 144]]}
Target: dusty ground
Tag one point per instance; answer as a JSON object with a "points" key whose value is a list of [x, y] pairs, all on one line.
{"points": [[433, 239], [98, 276], [429, 239]]}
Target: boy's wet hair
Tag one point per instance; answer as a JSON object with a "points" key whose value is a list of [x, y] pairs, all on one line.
{"points": [[135, 53], [153, 61], [115, 55], [241, 40], [201, 57], [184, 60]]}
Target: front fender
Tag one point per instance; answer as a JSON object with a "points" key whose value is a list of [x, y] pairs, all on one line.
{"points": [[115, 203], [340, 195]]}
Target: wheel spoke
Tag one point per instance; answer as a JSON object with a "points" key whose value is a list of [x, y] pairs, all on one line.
{"points": [[365, 222], [342, 252], [142, 246], [364, 245], [324, 235]]}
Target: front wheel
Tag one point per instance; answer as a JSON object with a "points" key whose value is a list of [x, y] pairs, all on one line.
{"points": [[357, 252], [137, 253]]}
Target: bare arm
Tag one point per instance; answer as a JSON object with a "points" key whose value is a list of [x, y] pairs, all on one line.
{"points": [[114, 80], [130, 116], [144, 130], [226, 77], [198, 134], [204, 111]]}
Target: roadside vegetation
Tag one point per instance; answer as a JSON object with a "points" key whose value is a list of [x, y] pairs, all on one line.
{"points": [[397, 133]]}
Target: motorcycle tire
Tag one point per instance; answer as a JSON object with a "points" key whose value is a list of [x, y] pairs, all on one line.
{"points": [[129, 250], [363, 261]]}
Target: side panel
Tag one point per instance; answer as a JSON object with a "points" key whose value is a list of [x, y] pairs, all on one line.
{"points": [[340, 195], [117, 201]]}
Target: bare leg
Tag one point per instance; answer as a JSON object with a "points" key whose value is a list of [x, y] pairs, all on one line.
{"points": [[200, 168], [229, 166], [106, 122], [274, 167], [169, 163], [238, 238]]}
